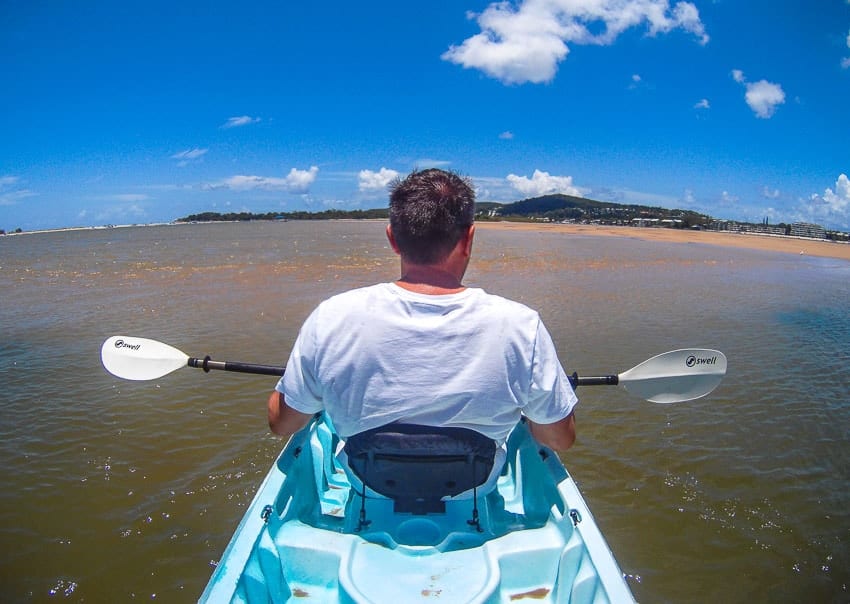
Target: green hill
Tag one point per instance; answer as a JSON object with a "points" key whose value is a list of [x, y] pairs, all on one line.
{"points": [[558, 208]]}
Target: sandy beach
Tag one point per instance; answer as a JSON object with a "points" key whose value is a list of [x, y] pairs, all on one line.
{"points": [[788, 245]]}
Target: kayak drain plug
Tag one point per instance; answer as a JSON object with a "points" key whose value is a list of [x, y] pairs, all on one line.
{"points": [[574, 514], [267, 511]]}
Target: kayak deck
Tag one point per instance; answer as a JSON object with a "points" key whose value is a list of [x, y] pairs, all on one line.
{"points": [[299, 539]]}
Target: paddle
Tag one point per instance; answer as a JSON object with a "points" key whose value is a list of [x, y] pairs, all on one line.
{"points": [[143, 359], [671, 377]]}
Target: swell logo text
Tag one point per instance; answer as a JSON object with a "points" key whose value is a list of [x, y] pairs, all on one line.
{"points": [[693, 361], [123, 344]]}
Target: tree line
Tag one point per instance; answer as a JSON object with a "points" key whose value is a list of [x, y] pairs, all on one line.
{"points": [[380, 213]]}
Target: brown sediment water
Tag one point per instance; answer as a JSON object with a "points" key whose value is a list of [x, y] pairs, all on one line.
{"points": [[113, 490]]}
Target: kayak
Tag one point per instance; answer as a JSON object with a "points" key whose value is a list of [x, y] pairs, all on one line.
{"points": [[314, 532], [304, 537]]}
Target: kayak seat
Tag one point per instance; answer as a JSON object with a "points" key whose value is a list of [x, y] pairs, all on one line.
{"points": [[420, 466]]}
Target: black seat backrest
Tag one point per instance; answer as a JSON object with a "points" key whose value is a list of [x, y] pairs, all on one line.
{"points": [[417, 466]]}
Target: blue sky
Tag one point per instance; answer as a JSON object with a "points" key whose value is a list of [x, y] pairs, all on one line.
{"points": [[130, 112]]}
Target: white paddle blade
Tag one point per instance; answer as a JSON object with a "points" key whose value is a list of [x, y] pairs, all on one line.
{"points": [[676, 376], [139, 358]]}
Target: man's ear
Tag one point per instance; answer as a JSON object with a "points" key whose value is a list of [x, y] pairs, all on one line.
{"points": [[392, 241], [470, 235]]}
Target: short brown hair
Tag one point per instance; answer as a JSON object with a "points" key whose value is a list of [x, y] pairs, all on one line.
{"points": [[429, 213]]}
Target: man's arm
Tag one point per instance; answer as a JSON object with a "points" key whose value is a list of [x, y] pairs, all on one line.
{"points": [[558, 436], [283, 419]]}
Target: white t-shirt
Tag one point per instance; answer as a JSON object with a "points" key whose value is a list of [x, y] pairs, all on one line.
{"points": [[383, 354]]}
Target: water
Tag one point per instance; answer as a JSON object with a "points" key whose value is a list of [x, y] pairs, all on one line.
{"points": [[114, 490]]}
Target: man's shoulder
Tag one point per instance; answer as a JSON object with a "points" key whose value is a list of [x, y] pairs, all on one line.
{"points": [[353, 296], [503, 304]]}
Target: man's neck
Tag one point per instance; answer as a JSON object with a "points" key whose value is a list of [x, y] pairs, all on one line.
{"points": [[443, 277], [430, 280]]}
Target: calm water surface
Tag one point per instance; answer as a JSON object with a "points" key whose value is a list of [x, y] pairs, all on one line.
{"points": [[114, 490]]}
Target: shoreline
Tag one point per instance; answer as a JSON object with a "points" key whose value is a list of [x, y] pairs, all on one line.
{"points": [[755, 241], [772, 243]]}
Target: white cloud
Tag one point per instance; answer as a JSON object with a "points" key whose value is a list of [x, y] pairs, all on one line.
{"points": [[840, 199], [242, 120], [123, 197], [834, 205], [543, 183], [189, 155], [118, 214], [427, 162], [10, 198], [727, 198], [128, 197], [376, 181], [703, 104], [769, 193], [493, 188], [763, 97], [9, 195], [244, 182], [526, 42], [507, 135], [845, 62], [636, 82], [297, 181]]}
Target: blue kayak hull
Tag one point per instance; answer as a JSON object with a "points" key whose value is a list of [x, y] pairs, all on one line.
{"points": [[301, 540]]}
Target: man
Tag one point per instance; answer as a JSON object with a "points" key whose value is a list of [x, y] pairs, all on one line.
{"points": [[426, 349]]}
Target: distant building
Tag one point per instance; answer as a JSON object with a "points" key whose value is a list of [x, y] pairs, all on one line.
{"points": [[805, 229], [767, 229]]}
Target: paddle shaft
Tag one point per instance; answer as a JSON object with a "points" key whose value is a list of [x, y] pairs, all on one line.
{"points": [[603, 380], [207, 364]]}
